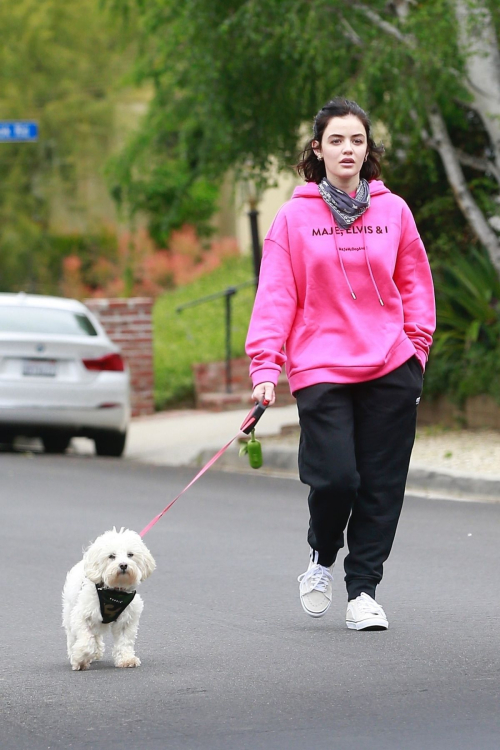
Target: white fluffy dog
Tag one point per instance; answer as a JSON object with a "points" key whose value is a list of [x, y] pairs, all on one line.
{"points": [[99, 595]]}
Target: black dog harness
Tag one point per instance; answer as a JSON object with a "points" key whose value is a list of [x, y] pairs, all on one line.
{"points": [[113, 602]]}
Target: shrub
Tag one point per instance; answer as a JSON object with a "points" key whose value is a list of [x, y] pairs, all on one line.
{"points": [[465, 358]]}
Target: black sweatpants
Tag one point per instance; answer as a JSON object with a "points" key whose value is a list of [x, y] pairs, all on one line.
{"points": [[355, 447]]}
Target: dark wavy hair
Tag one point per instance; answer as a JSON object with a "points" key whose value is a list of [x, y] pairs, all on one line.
{"points": [[312, 168]]}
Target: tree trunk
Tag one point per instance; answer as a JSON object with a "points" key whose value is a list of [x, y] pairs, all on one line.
{"points": [[456, 178], [478, 42]]}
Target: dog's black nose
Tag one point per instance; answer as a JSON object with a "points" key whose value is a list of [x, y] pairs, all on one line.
{"points": [[123, 566]]}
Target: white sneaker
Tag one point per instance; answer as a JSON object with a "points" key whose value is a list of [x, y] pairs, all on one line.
{"points": [[316, 589], [363, 613]]}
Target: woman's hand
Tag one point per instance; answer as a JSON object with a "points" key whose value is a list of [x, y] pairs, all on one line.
{"points": [[264, 392]]}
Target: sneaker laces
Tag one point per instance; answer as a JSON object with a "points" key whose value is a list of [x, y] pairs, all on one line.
{"points": [[369, 606], [318, 577]]}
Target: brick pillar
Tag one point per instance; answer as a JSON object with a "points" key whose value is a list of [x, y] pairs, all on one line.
{"points": [[128, 324]]}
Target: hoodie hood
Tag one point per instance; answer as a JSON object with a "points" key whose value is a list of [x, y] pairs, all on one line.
{"points": [[310, 190]]}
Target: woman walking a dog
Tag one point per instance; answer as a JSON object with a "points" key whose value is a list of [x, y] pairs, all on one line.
{"points": [[346, 302]]}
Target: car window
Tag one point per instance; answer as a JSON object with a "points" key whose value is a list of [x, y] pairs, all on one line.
{"points": [[44, 320]]}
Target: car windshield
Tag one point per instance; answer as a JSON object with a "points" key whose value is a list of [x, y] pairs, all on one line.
{"points": [[44, 320]]}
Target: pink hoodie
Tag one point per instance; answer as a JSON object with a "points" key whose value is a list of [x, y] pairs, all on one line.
{"points": [[346, 305]]}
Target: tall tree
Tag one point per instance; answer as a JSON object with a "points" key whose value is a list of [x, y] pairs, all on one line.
{"points": [[61, 64], [250, 73]]}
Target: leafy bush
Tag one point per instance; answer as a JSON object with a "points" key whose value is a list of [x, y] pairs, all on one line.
{"points": [[158, 173], [63, 63], [465, 358], [131, 265]]}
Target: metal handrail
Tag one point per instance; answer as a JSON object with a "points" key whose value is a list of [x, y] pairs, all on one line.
{"points": [[228, 293]]}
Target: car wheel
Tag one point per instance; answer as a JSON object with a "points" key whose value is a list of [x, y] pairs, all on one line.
{"points": [[55, 443], [110, 444], [6, 442]]}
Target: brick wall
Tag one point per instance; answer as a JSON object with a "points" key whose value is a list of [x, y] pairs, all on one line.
{"points": [[128, 324], [210, 381], [478, 412], [210, 377]]}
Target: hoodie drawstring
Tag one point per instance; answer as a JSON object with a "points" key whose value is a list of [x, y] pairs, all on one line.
{"points": [[369, 266], [346, 277], [367, 259]]}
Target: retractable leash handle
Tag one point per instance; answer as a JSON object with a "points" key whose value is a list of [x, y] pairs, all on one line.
{"points": [[252, 419], [252, 448]]}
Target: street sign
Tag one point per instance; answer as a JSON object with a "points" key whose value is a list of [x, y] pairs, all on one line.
{"points": [[21, 130]]}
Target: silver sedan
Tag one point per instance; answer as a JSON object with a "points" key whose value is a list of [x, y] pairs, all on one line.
{"points": [[60, 375]]}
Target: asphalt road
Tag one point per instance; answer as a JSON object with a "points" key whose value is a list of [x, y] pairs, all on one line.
{"points": [[230, 661]]}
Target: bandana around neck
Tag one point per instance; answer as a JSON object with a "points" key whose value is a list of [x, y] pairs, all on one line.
{"points": [[113, 602], [345, 209]]}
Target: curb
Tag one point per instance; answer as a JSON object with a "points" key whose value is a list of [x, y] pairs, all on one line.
{"points": [[422, 481], [448, 484]]}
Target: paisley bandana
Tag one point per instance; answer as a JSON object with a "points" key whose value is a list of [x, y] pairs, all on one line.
{"points": [[345, 209]]}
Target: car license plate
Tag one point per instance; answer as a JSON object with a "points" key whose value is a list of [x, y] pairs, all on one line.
{"points": [[39, 368]]}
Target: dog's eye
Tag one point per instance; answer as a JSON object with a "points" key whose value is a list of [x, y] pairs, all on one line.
{"points": [[130, 554], [112, 557]]}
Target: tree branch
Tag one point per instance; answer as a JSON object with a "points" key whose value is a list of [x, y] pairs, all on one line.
{"points": [[463, 196], [350, 34], [479, 163], [475, 162], [385, 26]]}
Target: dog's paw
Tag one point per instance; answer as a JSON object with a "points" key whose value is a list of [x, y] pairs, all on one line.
{"points": [[129, 661], [80, 666]]}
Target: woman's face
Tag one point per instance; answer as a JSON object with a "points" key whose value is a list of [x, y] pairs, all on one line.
{"points": [[344, 147]]}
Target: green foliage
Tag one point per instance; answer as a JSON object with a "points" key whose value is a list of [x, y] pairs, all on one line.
{"points": [[468, 305], [157, 173], [236, 80], [250, 74], [92, 250], [60, 63], [197, 334], [465, 358]]}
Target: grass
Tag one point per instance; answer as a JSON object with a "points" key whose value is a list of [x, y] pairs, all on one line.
{"points": [[198, 334]]}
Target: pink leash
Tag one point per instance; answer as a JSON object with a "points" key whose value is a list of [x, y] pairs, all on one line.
{"points": [[247, 426]]}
